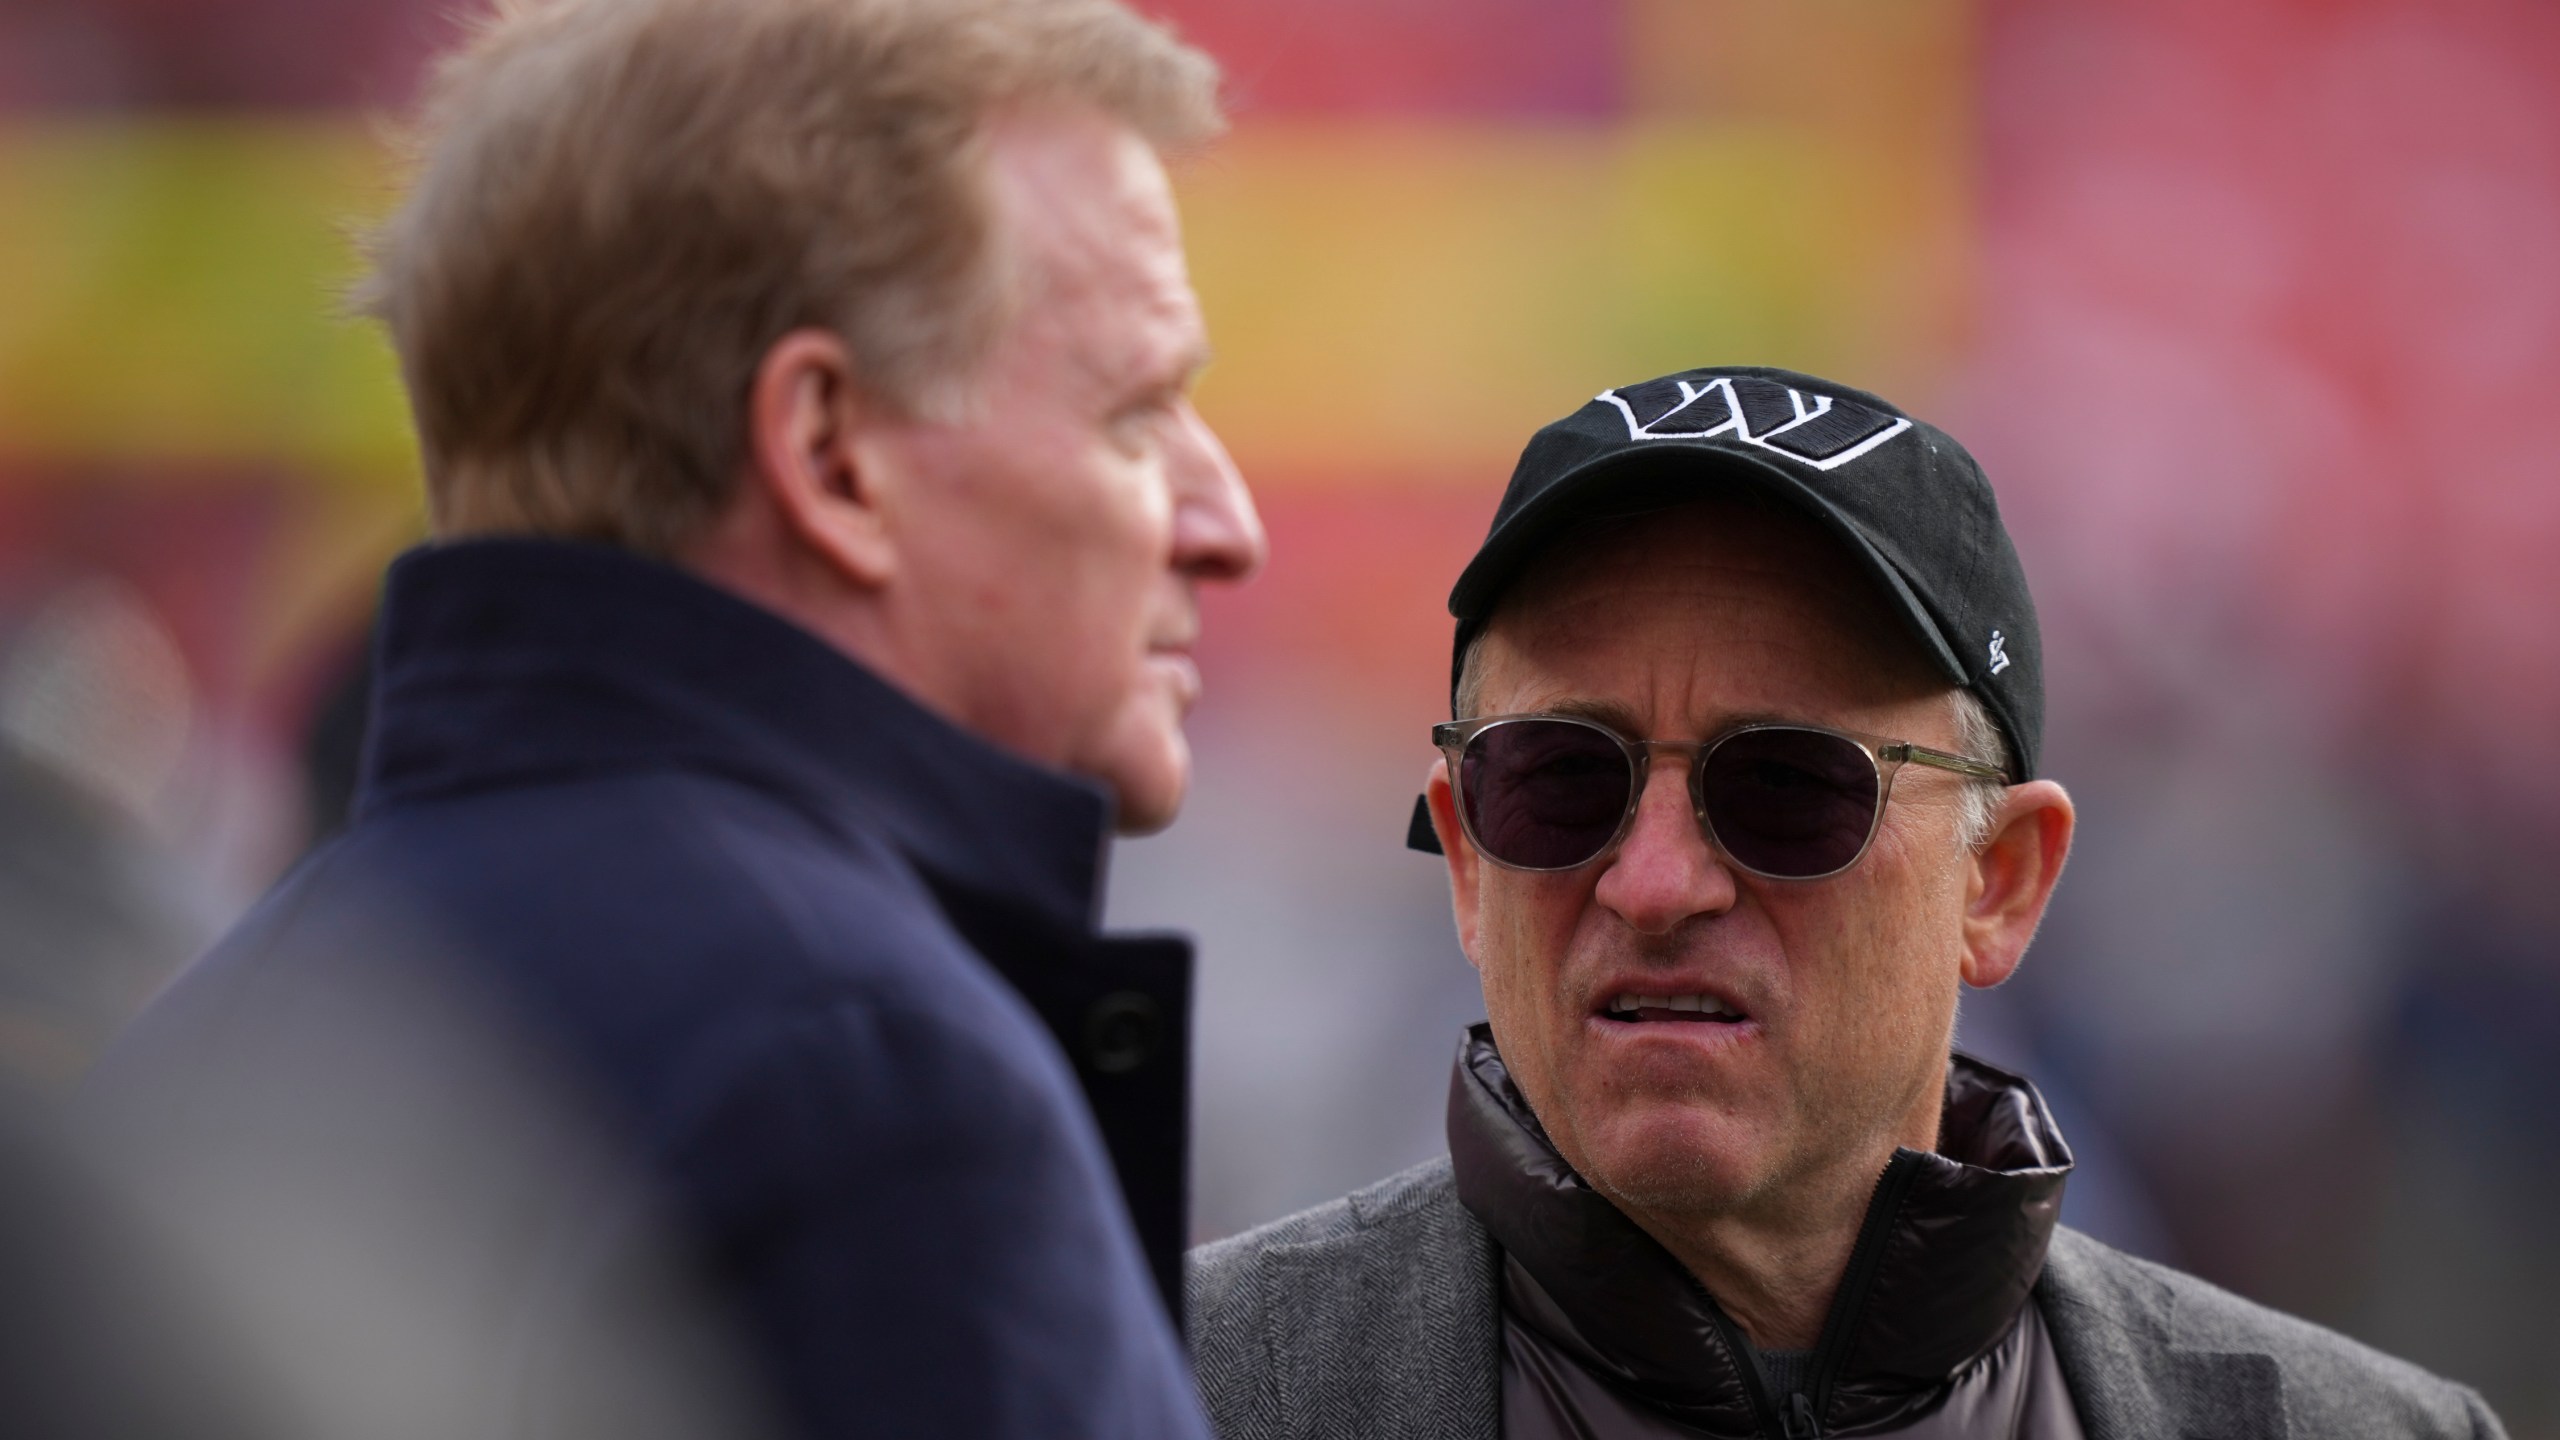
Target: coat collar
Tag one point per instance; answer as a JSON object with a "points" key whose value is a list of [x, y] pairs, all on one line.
{"points": [[1951, 1246], [2114, 1330], [513, 661], [1390, 1327]]}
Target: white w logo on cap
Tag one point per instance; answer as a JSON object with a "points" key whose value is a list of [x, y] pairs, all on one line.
{"points": [[1817, 430]]}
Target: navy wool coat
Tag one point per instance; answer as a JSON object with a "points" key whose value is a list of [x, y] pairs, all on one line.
{"points": [[689, 1035]]}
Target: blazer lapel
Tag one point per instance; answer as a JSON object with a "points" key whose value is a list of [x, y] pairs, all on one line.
{"points": [[1392, 1330], [2113, 1332]]}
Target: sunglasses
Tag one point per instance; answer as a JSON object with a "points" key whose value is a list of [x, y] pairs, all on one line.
{"points": [[1788, 802]]}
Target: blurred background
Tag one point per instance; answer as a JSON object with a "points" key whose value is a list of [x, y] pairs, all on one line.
{"points": [[2251, 310]]}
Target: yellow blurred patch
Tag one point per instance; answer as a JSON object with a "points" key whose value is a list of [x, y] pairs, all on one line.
{"points": [[174, 293], [1393, 302], [1414, 300]]}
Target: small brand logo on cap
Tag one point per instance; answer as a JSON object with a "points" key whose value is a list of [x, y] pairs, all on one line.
{"points": [[1817, 430], [1999, 655]]}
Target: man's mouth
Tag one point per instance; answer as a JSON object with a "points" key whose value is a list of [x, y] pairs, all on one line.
{"points": [[1180, 672], [1690, 1009]]}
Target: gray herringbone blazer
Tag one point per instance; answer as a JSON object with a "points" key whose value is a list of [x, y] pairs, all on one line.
{"points": [[1378, 1316]]}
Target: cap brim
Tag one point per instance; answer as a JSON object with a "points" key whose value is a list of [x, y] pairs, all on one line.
{"points": [[1663, 474], [1419, 833]]}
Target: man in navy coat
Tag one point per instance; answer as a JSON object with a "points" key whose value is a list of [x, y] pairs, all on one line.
{"points": [[702, 1026]]}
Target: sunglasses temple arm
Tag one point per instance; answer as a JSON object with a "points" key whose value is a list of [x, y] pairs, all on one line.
{"points": [[1962, 765]]}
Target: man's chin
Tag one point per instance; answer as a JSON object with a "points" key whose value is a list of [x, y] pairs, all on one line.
{"points": [[1135, 822], [1674, 1163], [1150, 794]]}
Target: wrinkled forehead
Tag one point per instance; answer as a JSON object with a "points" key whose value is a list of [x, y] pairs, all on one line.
{"points": [[1084, 200], [1735, 582], [1087, 222]]}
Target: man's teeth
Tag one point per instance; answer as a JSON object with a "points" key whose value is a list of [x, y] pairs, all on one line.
{"points": [[1703, 1004]]}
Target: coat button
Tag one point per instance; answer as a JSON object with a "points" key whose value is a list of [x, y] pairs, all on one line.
{"points": [[1121, 1031]]}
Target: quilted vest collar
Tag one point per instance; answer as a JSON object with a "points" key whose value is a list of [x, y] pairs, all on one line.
{"points": [[1951, 1245]]}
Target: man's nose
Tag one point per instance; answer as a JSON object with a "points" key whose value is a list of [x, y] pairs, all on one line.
{"points": [[1217, 533], [1664, 873]]}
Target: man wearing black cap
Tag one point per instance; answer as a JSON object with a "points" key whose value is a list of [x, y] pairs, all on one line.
{"points": [[1741, 792]]}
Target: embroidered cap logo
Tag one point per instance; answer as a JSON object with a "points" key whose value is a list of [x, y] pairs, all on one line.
{"points": [[1817, 430]]}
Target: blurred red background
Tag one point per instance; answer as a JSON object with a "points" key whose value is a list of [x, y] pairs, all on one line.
{"points": [[2252, 312]]}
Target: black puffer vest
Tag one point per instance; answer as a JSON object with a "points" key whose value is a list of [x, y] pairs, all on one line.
{"points": [[1951, 1244]]}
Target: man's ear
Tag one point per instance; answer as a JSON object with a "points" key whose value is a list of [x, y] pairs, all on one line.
{"points": [[2012, 878], [1465, 866], [806, 417]]}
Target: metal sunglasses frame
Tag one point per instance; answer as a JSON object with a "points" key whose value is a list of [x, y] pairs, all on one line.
{"points": [[1888, 756]]}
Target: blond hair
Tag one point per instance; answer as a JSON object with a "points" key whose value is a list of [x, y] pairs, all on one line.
{"points": [[619, 206]]}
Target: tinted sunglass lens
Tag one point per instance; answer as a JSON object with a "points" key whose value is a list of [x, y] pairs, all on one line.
{"points": [[1789, 803], [1544, 794]]}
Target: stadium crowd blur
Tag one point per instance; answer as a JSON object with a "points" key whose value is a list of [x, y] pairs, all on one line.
{"points": [[2252, 311]]}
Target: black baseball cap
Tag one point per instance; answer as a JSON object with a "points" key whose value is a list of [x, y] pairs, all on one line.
{"points": [[1901, 495]]}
